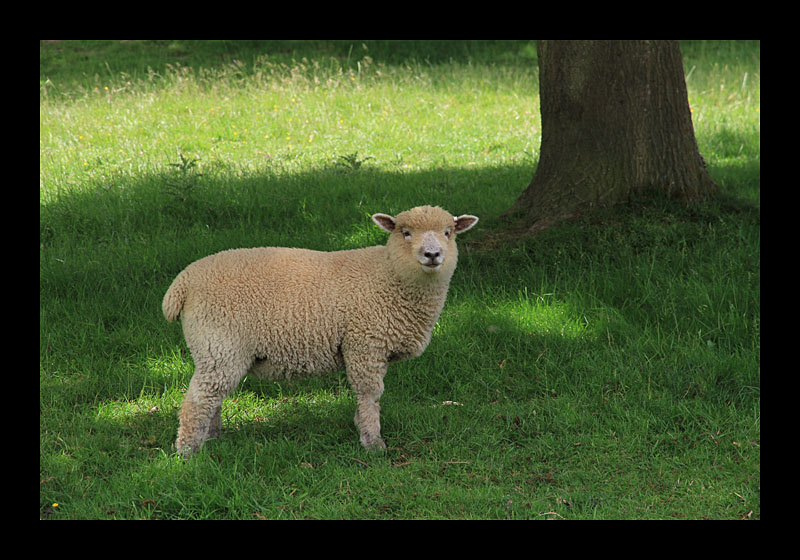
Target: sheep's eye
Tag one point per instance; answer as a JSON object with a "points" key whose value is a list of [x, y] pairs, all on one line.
{"points": [[406, 234], [447, 233]]}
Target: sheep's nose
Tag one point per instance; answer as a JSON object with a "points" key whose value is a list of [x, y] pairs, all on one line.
{"points": [[432, 255]]}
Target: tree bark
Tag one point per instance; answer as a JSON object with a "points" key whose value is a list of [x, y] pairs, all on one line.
{"points": [[615, 122]]}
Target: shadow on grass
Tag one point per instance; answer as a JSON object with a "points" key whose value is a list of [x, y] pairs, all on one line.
{"points": [[109, 251], [70, 63]]}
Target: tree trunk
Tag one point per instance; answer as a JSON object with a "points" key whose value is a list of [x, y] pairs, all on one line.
{"points": [[615, 121]]}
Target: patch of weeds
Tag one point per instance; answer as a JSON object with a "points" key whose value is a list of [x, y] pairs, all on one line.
{"points": [[181, 188], [182, 185], [351, 162]]}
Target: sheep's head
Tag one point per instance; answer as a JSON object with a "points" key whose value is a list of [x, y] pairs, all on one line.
{"points": [[424, 238]]}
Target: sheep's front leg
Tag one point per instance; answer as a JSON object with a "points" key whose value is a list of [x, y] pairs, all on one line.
{"points": [[366, 379]]}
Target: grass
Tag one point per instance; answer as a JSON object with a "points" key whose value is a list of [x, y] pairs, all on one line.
{"points": [[606, 368]]}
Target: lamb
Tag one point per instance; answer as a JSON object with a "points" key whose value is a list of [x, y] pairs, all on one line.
{"points": [[285, 313]]}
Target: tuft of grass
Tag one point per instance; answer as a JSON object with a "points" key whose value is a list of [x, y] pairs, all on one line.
{"points": [[607, 368]]}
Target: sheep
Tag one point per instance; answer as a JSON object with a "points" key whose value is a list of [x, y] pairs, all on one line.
{"points": [[284, 313]]}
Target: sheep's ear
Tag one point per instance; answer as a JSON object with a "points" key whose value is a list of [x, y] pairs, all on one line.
{"points": [[465, 222], [385, 221]]}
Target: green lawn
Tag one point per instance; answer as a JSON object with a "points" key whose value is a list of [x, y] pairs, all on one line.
{"points": [[606, 368]]}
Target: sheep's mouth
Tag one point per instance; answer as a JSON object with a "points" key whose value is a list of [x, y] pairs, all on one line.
{"points": [[431, 266]]}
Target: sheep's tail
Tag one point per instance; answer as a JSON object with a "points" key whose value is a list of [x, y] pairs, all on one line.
{"points": [[175, 297]]}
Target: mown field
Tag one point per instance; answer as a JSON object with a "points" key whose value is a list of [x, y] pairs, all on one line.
{"points": [[606, 368]]}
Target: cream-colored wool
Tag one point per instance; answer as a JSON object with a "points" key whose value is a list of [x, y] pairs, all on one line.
{"points": [[284, 313]]}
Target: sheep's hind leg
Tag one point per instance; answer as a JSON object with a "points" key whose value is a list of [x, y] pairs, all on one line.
{"points": [[215, 427], [368, 422], [201, 411]]}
